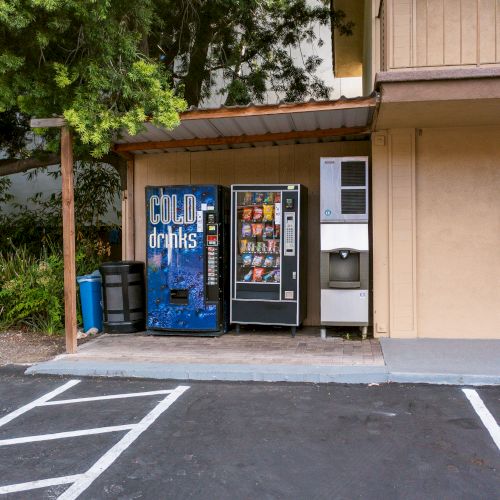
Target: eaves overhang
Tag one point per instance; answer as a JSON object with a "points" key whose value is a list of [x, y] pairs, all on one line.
{"points": [[256, 126]]}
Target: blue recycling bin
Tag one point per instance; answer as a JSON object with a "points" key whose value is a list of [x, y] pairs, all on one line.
{"points": [[91, 300]]}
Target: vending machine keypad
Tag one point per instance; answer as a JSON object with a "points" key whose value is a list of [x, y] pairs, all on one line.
{"points": [[289, 235], [212, 256]]}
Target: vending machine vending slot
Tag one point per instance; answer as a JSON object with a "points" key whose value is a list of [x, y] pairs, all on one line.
{"points": [[179, 297]]}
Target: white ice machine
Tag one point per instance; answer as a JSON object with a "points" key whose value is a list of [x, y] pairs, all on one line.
{"points": [[345, 248]]}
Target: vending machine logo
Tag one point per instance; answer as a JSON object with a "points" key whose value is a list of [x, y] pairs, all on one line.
{"points": [[164, 209]]}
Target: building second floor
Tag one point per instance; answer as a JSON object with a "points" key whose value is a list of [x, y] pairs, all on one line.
{"points": [[402, 35]]}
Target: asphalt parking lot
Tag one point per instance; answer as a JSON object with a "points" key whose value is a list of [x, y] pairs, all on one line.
{"points": [[244, 440]]}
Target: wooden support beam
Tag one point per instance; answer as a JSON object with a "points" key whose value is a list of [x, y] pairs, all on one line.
{"points": [[47, 122], [128, 220], [277, 109], [68, 215], [241, 139]]}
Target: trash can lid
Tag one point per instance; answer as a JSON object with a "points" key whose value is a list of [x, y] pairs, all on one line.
{"points": [[95, 276], [119, 266]]}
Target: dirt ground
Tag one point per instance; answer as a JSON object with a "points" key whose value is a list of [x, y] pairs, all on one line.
{"points": [[21, 347]]}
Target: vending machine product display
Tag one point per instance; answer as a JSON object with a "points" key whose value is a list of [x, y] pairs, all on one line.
{"points": [[268, 254], [186, 251]]}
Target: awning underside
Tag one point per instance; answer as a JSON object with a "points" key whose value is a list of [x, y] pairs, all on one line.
{"points": [[256, 126]]}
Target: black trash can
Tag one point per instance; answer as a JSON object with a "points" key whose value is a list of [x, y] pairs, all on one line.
{"points": [[123, 296]]}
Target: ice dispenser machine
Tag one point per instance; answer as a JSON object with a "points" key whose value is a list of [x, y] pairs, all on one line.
{"points": [[344, 257]]}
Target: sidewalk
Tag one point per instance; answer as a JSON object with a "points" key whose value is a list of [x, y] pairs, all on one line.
{"points": [[274, 357]]}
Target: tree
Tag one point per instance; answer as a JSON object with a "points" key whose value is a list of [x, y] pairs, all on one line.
{"points": [[108, 66], [81, 60], [249, 43]]}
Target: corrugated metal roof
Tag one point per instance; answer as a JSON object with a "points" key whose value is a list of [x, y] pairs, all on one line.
{"points": [[231, 126]]}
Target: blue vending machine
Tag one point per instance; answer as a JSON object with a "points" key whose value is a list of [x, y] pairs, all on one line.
{"points": [[186, 258]]}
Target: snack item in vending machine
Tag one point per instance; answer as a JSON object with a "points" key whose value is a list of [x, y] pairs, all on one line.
{"points": [[247, 214], [258, 198], [247, 259], [269, 276], [243, 246], [268, 197], [251, 246], [277, 197], [261, 246], [256, 229], [277, 261], [257, 213], [268, 231], [277, 230], [258, 273], [247, 199], [268, 212], [248, 276], [246, 229], [269, 261], [271, 246], [257, 260], [277, 276]]}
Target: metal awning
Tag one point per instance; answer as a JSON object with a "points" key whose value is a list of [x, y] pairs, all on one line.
{"points": [[257, 125]]}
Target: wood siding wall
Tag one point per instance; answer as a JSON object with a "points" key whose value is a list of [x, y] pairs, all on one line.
{"points": [[440, 33], [276, 164]]}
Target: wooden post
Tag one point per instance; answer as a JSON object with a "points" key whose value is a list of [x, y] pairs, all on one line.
{"points": [[128, 234], [68, 216]]}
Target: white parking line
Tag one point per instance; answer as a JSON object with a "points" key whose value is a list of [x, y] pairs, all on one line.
{"points": [[37, 402], [42, 483], [112, 454], [100, 398], [484, 414], [62, 435], [80, 482]]}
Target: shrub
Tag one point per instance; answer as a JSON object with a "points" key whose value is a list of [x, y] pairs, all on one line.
{"points": [[31, 291], [31, 262]]}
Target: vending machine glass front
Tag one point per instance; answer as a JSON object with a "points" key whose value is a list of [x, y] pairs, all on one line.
{"points": [[258, 229]]}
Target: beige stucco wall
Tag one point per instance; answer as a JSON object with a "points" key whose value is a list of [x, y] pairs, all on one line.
{"points": [[273, 164], [458, 232], [436, 232]]}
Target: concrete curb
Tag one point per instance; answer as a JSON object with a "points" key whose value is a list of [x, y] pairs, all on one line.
{"points": [[350, 374], [444, 378]]}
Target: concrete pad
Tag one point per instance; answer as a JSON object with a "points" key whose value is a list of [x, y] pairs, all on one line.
{"points": [[442, 361]]}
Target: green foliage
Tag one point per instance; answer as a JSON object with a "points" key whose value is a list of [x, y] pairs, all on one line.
{"points": [[31, 263], [96, 190], [83, 60], [31, 291], [250, 43], [106, 66], [32, 288], [5, 196]]}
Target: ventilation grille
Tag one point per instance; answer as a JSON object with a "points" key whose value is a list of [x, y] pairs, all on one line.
{"points": [[353, 173], [353, 201]]}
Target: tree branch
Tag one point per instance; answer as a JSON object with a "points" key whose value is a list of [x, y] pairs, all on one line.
{"points": [[10, 166]]}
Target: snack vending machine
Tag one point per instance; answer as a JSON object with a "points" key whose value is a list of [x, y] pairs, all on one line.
{"points": [[268, 255], [186, 251]]}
